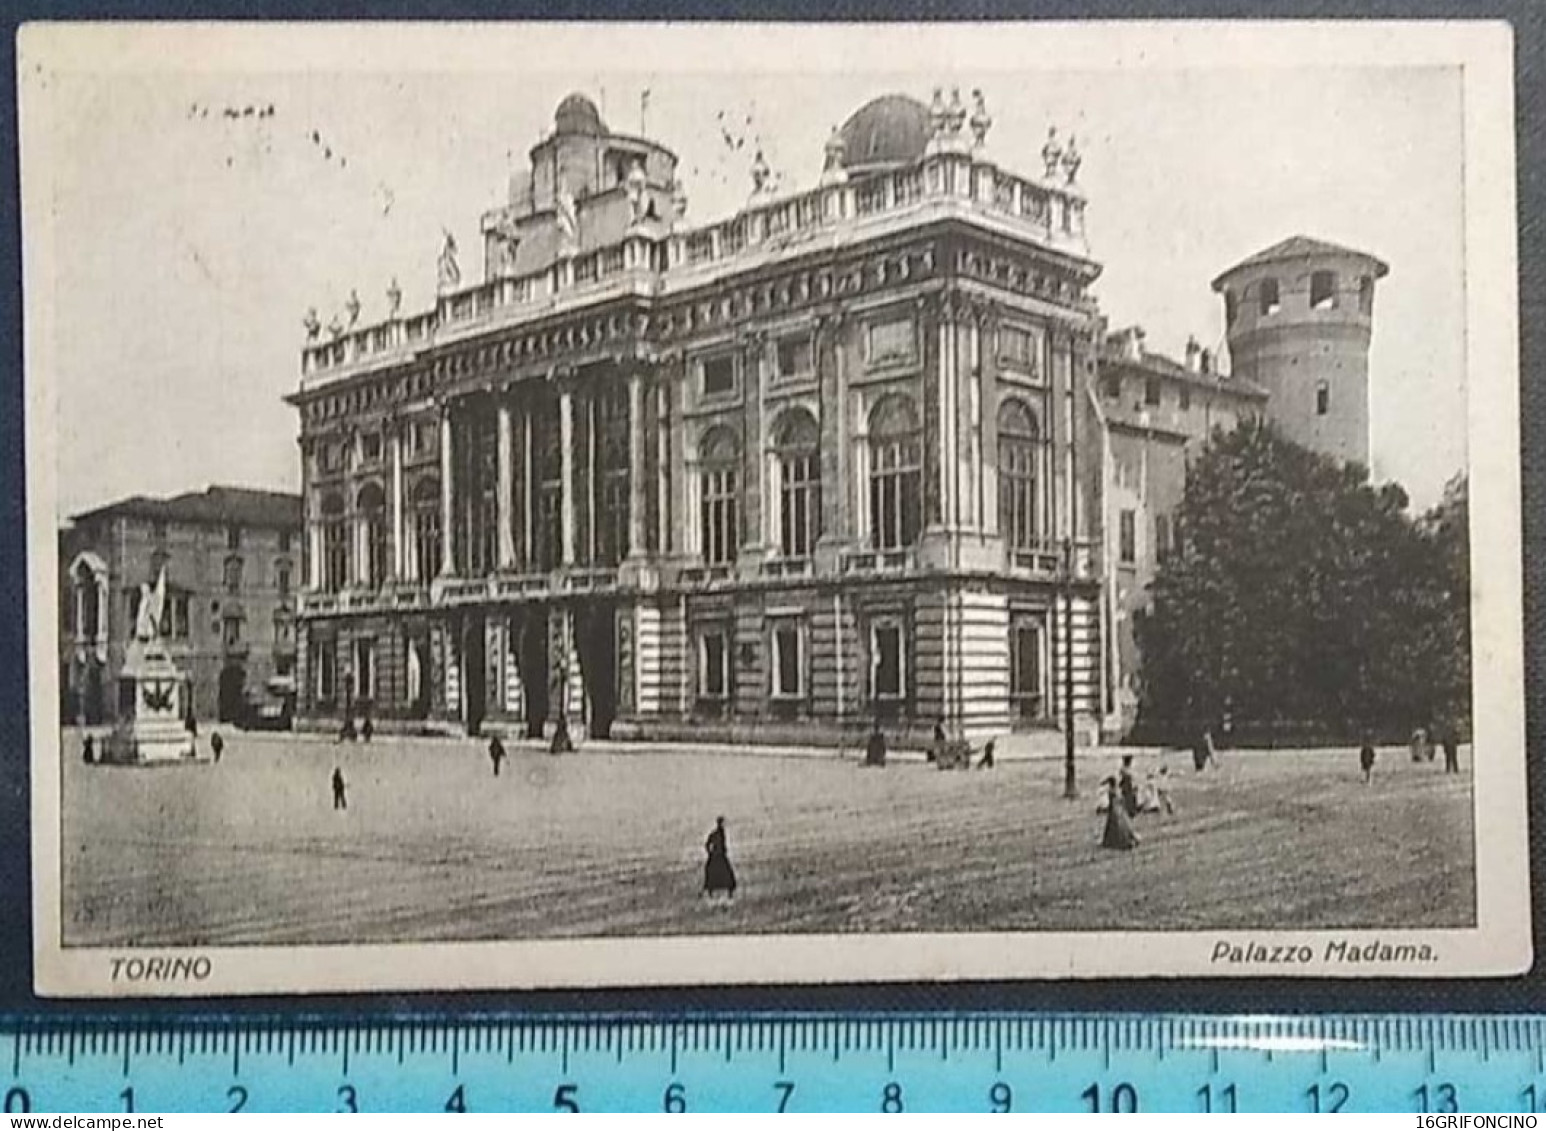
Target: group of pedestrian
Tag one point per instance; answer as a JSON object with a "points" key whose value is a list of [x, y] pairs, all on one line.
{"points": [[1422, 747], [1123, 799], [348, 732]]}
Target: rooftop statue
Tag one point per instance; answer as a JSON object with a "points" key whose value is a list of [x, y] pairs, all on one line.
{"points": [[1051, 153], [450, 274], [394, 298], [313, 324], [981, 121], [1071, 160], [352, 307]]}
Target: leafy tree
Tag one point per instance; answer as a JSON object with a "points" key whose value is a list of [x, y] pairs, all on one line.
{"points": [[1303, 601]]}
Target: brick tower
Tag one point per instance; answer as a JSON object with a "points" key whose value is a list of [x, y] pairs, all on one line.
{"points": [[1299, 317]]}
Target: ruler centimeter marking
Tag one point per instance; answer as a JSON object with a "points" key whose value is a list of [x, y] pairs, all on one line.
{"points": [[1427, 1064]]}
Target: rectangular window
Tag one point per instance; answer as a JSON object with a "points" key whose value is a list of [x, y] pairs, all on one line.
{"points": [[1025, 668], [1017, 348], [1112, 387], [888, 661], [1162, 545], [284, 541], [1323, 290], [1186, 397], [719, 375], [1366, 294], [1127, 537], [794, 357], [233, 538], [231, 631], [325, 664], [1322, 398], [158, 532], [364, 669], [178, 604], [890, 342], [1270, 302], [713, 664], [282, 580], [370, 444], [721, 523], [788, 660], [1151, 391], [284, 630]]}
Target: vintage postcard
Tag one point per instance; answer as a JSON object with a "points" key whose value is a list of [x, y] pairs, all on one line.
{"points": [[595, 505]]}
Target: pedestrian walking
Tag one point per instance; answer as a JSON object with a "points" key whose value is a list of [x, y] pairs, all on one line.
{"points": [[875, 748], [340, 797], [496, 753], [1366, 758], [1451, 751], [1119, 833], [89, 750], [216, 745], [987, 757], [718, 874]]}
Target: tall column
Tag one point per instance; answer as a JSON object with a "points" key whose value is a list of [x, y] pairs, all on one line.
{"points": [[663, 466], [566, 455], [529, 484], [314, 556], [399, 556], [503, 499], [635, 464], [447, 511]]}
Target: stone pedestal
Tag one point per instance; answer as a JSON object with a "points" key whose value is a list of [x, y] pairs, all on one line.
{"points": [[151, 710]]}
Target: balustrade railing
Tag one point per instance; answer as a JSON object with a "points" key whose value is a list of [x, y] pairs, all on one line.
{"points": [[1056, 210]]}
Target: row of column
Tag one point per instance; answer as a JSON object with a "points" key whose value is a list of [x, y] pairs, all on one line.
{"points": [[403, 564]]}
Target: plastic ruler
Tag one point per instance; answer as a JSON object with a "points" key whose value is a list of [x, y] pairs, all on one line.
{"points": [[878, 1063]]}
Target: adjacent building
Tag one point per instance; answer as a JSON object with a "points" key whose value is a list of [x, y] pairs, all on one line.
{"points": [[232, 558], [860, 453]]}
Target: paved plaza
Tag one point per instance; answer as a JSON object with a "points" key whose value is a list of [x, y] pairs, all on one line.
{"points": [[609, 841]]}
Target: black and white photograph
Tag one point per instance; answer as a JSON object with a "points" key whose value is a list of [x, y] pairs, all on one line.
{"points": [[560, 505]]}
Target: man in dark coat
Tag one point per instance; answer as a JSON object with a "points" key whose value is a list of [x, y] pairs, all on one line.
{"points": [[89, 750], [340, 800], [875, 748], [1451, 751], [1366, 758], [496, 753], [987, 757], [216, 745], [1127, 787]]}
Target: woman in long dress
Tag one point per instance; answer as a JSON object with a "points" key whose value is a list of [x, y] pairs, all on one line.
{"points": [[718, 875], [1119, 832]]}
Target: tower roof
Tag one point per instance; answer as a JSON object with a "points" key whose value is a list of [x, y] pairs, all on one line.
{"points": [[1302, 247], [885, 132]]}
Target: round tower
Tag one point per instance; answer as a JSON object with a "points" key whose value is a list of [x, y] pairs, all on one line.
{"points": [[1299, 317]]}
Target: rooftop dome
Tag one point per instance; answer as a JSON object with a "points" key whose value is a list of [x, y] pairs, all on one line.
{"points": [[577, 114], [885, 132]]}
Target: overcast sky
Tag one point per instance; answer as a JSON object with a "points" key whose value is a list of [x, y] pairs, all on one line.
{"points": [[190, 244]]}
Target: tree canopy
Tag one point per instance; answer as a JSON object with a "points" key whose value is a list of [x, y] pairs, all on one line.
{"points": [[1304, 602]]}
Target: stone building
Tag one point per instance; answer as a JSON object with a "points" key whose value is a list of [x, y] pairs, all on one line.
{"points": [[232, 558], [863, 451], [828, 461], [1154, 415], [1299, 316]]}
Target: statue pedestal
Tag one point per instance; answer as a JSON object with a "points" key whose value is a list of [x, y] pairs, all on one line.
{"points": [[151, 710]]}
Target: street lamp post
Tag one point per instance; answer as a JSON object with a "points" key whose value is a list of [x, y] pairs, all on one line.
{"points": [[1070, 780]]}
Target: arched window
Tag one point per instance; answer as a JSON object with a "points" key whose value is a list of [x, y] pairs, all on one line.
{"points": [[719, 484], [1019, 468], [370, 505], [797, 457], [424, 526], [896, 473], [335, 543]]}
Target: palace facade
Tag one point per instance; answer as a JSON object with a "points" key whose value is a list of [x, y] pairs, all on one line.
{"points": [[864, 452]]}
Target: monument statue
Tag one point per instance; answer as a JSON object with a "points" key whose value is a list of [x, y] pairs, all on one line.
{"points": [[147, 626], [352, 307], [394, 297], [1071, 159], [981, 121], [153, 692], [313, 324]]}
